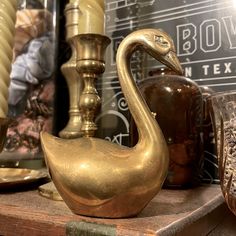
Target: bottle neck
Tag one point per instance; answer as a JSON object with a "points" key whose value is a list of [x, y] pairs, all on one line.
{"points": [[162, 71]]}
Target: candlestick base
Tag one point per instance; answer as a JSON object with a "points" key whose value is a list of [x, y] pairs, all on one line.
{"points": [[49, 191]]}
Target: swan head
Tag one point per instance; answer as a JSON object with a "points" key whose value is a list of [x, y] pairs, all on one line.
{"points": [[161, 46]]}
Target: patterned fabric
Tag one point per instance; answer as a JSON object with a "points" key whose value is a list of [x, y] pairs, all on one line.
{"points": [[23, 133], [31, 90], [31, 67]]}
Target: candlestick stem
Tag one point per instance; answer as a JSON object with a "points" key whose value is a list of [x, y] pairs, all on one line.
{"points": [[90, 64]]}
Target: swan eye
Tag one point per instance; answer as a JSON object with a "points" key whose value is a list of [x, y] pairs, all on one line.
{"points": [[161, 40]]}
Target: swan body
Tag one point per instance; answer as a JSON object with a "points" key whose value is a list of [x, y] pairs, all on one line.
{"points": [[99, 178]]}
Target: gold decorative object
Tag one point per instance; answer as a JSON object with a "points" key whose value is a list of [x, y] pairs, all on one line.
{"points": [[49, 191], [99, 178], [75, 84], [90, 64], [91, 18], [7, 30], [76, 12], [11, 177], [84, 17], [223, 115]]}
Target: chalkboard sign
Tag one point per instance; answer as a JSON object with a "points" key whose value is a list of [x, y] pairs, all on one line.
{"points": [[204, 33]]}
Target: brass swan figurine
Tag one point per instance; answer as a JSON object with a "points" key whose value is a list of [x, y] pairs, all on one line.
{"points": [[102, 179]]}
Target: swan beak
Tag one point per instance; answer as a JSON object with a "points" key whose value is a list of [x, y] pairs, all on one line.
{"points": [[171, 60]]}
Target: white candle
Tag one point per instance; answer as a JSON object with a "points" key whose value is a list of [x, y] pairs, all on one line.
{"points": [[74, 1], [91, 19], [8, 10]]}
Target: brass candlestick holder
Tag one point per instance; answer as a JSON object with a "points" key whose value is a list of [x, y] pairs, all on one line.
{"points": [[75, 87], [75, 84], [81, 71], [90, 64], [96, 177]]}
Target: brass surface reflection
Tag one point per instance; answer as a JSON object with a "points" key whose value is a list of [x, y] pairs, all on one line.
{"points": [[10, 177], [74, 82], [102, 179]]}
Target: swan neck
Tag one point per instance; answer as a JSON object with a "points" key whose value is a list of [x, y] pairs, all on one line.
{"points": [[148, 128]]}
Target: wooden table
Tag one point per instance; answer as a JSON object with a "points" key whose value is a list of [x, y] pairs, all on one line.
{"points": [[197, 211]]}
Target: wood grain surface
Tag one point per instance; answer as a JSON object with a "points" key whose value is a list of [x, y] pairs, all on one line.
{"points": [[171, 212]]}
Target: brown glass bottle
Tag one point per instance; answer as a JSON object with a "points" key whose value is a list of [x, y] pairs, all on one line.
{"points": [[177, 103]]}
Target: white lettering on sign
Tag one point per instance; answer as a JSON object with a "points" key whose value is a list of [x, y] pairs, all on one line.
{"points": [[230, 30], [228, 68], [210, 35], [205, 69], [188, 72], [217, 68], [207, 36], [186, 39], [220, 68]]}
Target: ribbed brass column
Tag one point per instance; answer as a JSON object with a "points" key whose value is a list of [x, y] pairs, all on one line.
{"points": [[7, 30]]}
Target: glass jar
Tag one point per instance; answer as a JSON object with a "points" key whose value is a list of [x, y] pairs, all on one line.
{"points": [[31, 89], [223, 116], [176, 102]]}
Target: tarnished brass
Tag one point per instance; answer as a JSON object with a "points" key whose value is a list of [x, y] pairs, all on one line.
{"points": [[90, 64], [49, 191], [75, 84], [99, 178], [12, 177]]}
